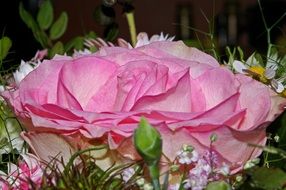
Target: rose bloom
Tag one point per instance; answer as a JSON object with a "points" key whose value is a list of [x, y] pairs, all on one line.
{"points": [[70, 103]]}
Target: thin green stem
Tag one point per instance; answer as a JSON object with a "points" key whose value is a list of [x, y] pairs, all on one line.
{"points": [[78, 153], [132, 27], [154, 174]]}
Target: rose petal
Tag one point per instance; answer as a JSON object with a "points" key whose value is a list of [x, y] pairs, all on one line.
{"points": [[49, 146], [88, 73]]}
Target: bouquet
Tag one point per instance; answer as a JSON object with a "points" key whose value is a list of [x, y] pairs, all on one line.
{"points": [[154, 114]]}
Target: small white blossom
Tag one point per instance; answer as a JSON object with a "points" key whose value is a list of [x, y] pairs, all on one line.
{"points": [[251, 163], [140, 182], [147, 186], [143, 39], [2, 89], [276, 138], [24, 69], [127, 174], [187, 156], [224, 170], [79, 53]]}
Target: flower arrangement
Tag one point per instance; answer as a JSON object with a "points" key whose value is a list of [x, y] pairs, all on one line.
{"points": [[154, 114]]}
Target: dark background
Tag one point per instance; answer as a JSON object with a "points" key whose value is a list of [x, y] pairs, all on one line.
{"points": [[155, 16]]}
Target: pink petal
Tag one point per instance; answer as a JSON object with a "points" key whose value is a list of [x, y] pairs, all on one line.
{"points": [[179, 50], [43, 90], [220, 115], [48, 146], [83, 78], [177, 99], [217, 85], [255, 97], [228, 140]]}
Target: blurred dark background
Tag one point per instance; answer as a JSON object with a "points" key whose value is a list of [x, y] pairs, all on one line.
{"points": [[237, 22]]}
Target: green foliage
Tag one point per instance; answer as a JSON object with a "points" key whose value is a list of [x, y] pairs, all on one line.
{"points": [[58, 48], [77, 43], [5, 45], [148, 142], [47, 31], [59, 27], [45, 15], [44, 24], [113, 32], [27, 18], [218, 185], [88, 175], [267, 178]]}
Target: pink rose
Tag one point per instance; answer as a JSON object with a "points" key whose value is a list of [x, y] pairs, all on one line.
{"points": [[182, 91]]}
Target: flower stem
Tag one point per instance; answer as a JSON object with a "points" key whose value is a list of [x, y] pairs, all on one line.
{"points": [[154, 174], [132, 27]]}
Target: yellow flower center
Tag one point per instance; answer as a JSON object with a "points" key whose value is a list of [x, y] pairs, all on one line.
{"points": [[283, 93], [259, 72]]}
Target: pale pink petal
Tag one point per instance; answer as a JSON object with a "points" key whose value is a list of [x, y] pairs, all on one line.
{"points": [[220, 115], [255, 97], [228, 140], [83, 78], [44, 89], [217, 85], [49, 146], [169, 100], [180, 50]]}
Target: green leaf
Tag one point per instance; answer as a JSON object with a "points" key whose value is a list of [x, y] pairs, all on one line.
{"points": [[58, 48], [75, 43], [91, 34], [45, 15], [148, 142], [27, 18], [59, 27], [218, 185], [240, 52], [112, 32], [5, 45], [282, 132], [269, 178]]}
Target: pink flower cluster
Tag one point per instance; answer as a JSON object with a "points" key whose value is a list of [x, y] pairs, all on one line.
{"points": [[28, 172], [183, 92]]}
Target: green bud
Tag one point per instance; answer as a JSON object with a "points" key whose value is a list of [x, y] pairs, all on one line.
{"points": [[213, 137], [238, 178], [148, 142], [187, 148], [174, 168]]}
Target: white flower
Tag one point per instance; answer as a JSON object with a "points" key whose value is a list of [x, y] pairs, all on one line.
{"points": [[143, 39], [224, 170], [127, 174], [79, 53], [23, 70], [268, 73], [187, 155], [2, 89], [251, 163], [140, 182], [147, 186]]}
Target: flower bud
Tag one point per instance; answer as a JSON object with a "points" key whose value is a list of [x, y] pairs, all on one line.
{"points": [[148, 142]]}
